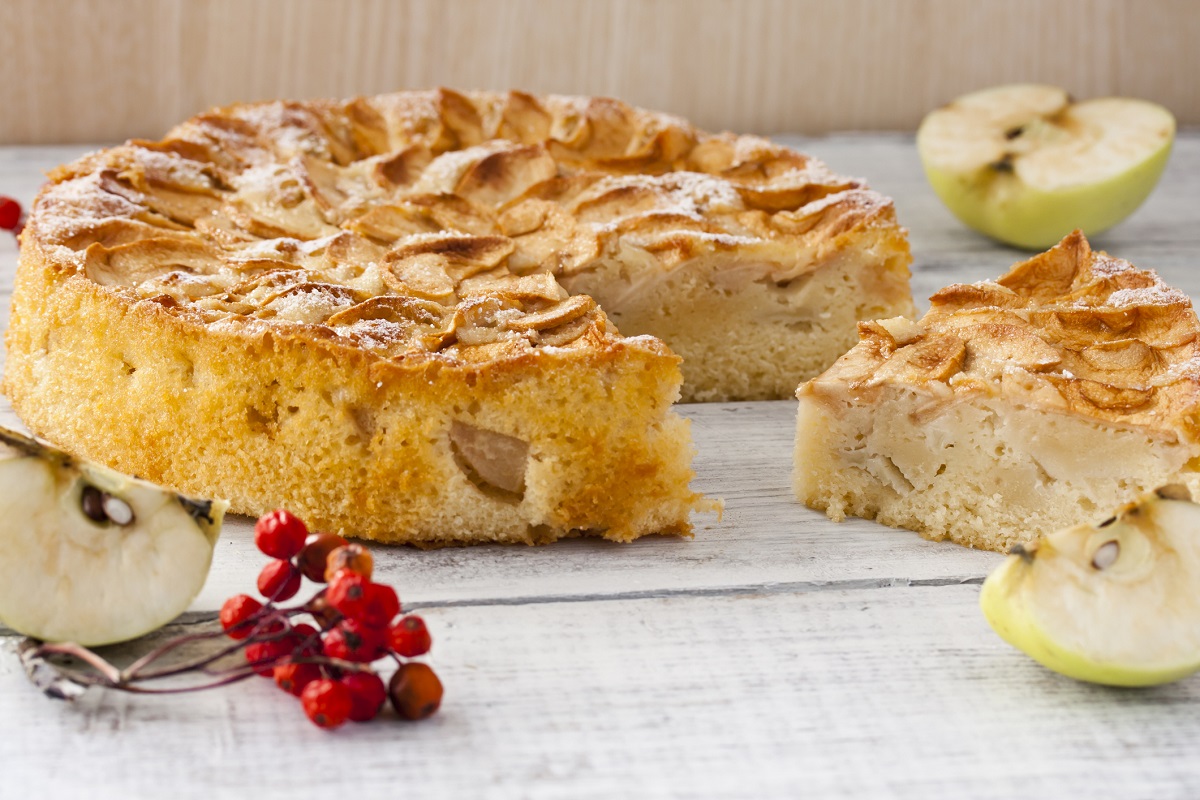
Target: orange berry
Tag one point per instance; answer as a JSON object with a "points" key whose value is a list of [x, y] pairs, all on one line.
{"points": [[415, 691], [314, 555], [352, 557]]}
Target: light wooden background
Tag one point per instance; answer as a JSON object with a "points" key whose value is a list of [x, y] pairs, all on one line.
{"points": [[94, 70]]}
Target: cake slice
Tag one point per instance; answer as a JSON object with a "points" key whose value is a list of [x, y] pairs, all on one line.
{"points": [[1013, 408]]}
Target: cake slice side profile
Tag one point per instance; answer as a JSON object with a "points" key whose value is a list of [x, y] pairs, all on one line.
{"points": [[500, 441], [1012, 408]]}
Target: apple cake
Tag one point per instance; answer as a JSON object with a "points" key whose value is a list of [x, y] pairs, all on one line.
{"points": [[395, 315], [1013, 408]]}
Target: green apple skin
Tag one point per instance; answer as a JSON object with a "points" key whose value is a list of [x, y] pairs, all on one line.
{"points": [[1036, 220], [1011, 617]]}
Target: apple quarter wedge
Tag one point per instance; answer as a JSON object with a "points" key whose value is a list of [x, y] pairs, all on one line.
{"points": [[1013, 408], [92, 556], [1113, 603]]}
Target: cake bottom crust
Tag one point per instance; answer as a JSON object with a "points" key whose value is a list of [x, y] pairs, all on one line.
{"points": [[986, 474]]}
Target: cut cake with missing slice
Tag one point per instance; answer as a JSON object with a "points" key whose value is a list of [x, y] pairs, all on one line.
{"points": [[394, 315], [1013, 408]]}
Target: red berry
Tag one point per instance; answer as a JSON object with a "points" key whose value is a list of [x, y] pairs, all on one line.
{"points": [[273, 624], [326, 702], [353, 557], [292, 678], [304, 630], [308, 637], [415, 691], [380, 605], [367, 694], [347, 593], [236, 613], [278, 581], [280, 534], [409, 637], [264, 656], [351, 640], [10, 214], [313, 557], [307, 640]]}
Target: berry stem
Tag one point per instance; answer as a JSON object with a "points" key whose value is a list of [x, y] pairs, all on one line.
{"points": [[203, 663], [166, 647], [137, 673], [226, 680], [264, 617], [108, 672], [325, 659]]}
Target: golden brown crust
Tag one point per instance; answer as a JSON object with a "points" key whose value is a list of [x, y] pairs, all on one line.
{"points": [[1014, 408], [299, 303], [1070, 330], [307, 213], [252, 411]]}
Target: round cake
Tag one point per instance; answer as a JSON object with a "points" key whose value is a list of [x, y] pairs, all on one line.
{"points": [[395, 315]]}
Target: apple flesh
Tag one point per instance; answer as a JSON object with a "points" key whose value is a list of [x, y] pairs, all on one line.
{"points": [[93, 556], [1026, 166], [1115, 603]]}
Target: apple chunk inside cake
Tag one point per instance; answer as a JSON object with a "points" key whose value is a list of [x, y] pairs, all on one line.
{"points": [[1013, 408]]}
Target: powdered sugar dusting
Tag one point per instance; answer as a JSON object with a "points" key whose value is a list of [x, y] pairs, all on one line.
{"points": [[296, 233], [444, 172], [1159, 295], [864, 199], [262, 179], [311, 306], [267, 248], [688, 194], [376, 332], [290, 127], [77, 205], [1106, 266]]}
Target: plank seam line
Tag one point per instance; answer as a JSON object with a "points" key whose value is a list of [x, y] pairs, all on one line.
{"points": [[746, 590]]}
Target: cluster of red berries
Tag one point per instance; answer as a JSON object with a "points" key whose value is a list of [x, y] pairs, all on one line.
{"points": [[354, 622], [11, 216]]}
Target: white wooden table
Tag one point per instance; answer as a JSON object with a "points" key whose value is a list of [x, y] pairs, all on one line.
{"points": [[776, 654]]}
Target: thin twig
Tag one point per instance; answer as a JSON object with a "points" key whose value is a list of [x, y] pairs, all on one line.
{"points": [[272, 616], [167, 647], [224, 681], [90, 658]]}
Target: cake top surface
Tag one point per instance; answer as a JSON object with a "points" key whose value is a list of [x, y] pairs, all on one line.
{"points": [[431, 223], [1071, 330]]}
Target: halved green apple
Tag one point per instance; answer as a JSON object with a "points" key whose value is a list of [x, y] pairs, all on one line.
{"points": [[92, 556], [1116, 603], [1026, 165]]}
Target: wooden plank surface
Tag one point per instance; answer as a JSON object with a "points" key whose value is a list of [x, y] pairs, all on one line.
{"points": [[776, 654], [902, 693], [79, 70]]}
